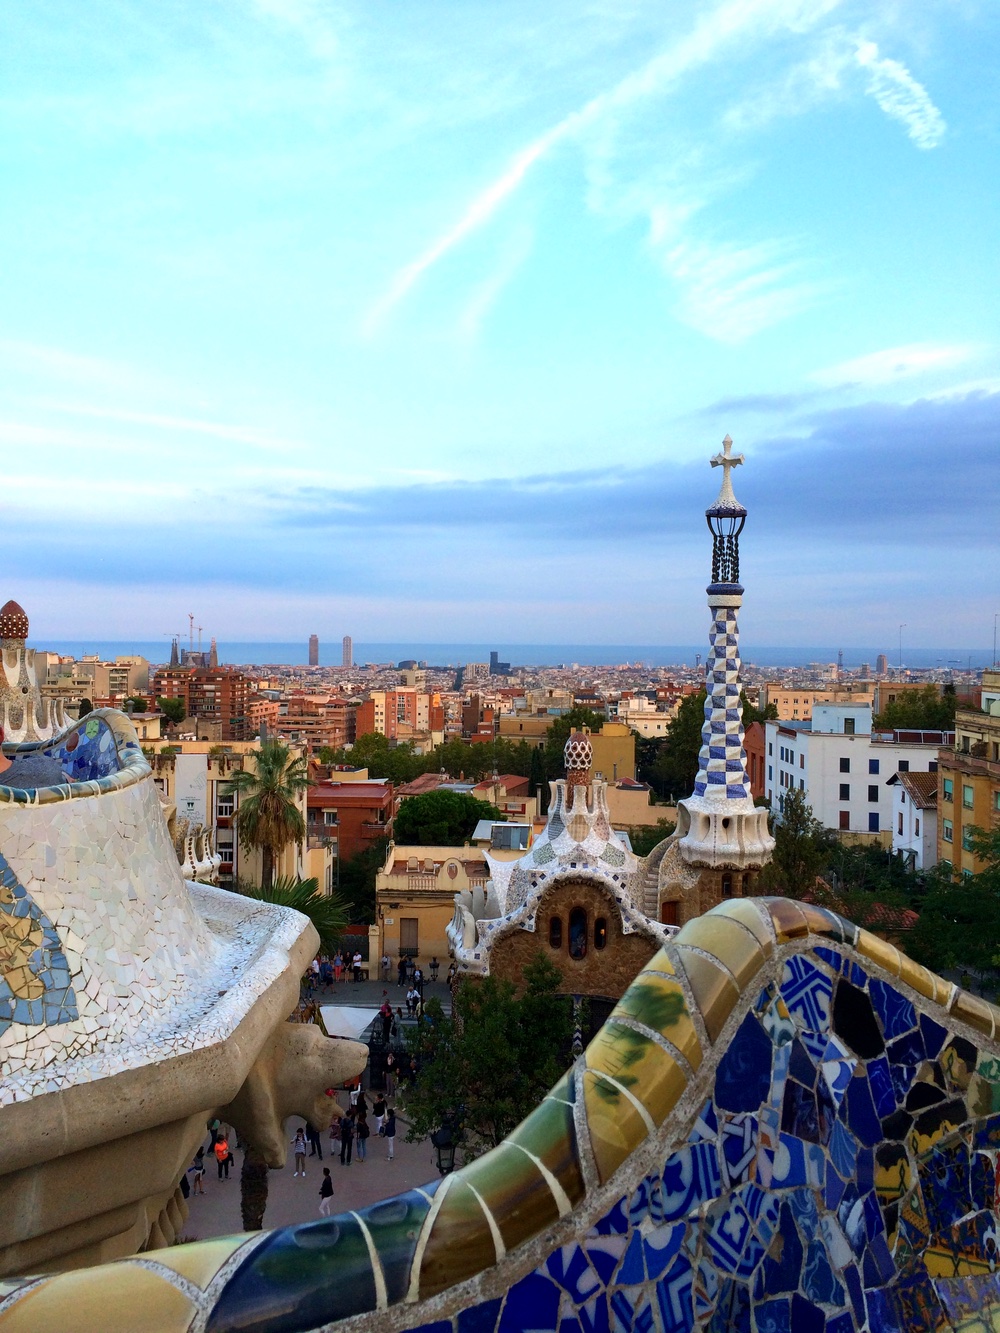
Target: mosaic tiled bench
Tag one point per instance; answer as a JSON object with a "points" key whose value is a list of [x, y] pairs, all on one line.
{"points": [[785, 1126]]}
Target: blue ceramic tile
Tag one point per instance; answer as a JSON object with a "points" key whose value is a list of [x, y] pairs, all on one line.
{"points": [[570, 1266], [800, 1066], [841, 1323], [789, 1162], [933, 1035], [881, 1316], [605, 1254], [732, 1310], [807, 992], [894, 1009], [531, 1303], [615, 1220], [774, 1316], [907, 1050], [743, 1077], [880, 1082], [674, 1297], [593, 1315], [818, 1280], [852, 1280], [739, 1149], [832, 959], [632, 1269], [806, 1317], [660, 1246], [690, 1177], [860, 1112], [782, 1265], [706, 1126], [730, 1238]]}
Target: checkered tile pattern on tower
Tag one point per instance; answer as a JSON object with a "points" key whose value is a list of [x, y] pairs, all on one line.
{"points": [[722, 762]]}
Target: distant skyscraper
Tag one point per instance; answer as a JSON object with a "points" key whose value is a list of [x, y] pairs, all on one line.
{"points": [[348, 658], [314, 650], [881, 664]]}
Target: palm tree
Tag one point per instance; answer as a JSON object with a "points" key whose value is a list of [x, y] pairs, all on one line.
{"points": [[327, 912], [268, 817]]}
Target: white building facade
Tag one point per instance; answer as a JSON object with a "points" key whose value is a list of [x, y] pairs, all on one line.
{"points": [[914, 818], [844, 769]]}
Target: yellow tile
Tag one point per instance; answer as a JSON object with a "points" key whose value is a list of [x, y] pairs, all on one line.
{"points": [[714, 989], [974, 1011], [94, 1300], [744, 911], [631, 1059], [923, 982], [787, 918], [879, 951], [201, 1260], [734, 947], [823, 922], [550, 1135], [460, 1244], [616, 1127], [660, 1004], [515, 1191]]}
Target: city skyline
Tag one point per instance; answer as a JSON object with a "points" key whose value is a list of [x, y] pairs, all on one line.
{"points": [[427, 323]]}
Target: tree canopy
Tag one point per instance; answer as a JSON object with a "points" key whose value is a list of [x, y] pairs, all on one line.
{"points": [[268, 817], [919, 710], [959, 922], [647, 836], [491, 1064], [400, 764], [676, 765], [172, 709], [441, 818], [802, 847]]}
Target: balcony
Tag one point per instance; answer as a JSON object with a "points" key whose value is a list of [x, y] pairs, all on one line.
{"points": [[375, 830]]}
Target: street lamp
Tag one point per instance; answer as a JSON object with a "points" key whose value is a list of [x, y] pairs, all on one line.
{"points": [[443, 1140]]}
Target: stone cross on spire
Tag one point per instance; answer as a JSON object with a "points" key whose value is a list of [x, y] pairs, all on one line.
{"points": [[726, 499]]}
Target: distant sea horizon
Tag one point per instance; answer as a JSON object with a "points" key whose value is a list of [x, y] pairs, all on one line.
{"points": [[522, 654]]}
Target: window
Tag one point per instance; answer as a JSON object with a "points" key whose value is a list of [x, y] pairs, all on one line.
{"points": [[845, 791], [329, 816], [770, 748], [948, 831], [555, 932], [845, 765], [967, 795], [900, 829], [996, 800], [872, 765], [904, 766], [873, 793], [727, 886], [967, 839], [802, 784], [916, 827], [873, 822], [947, 789], [770, 773], [848, 726], [845, 819], [600, 933], [578, 933], [802, 761]]}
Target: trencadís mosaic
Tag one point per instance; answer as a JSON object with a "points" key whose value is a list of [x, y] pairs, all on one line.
{"points": [[785, 1126]]}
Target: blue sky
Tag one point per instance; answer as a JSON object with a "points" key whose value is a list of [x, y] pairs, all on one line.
{"points": [[423, 320]]}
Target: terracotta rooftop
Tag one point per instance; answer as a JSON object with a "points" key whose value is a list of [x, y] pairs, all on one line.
{"points": [[920, 787]]}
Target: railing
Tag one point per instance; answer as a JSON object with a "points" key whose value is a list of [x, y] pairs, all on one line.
{"points": [[969, 763]]}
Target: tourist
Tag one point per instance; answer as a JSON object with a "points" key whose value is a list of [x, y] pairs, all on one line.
{"points": [[346, 1139], [338, 966], [401, 971], [378, 1111], [418, 979], [299, 1149], [315, 1142], [362, 1134], [389, 1132], [326, 1193], [452, 974], [223, 1156], [214, 1128], [386, 965], [357, 961], [385, 1013], [326, 972], [412, 995], [197, 1170], [390, 1074]]}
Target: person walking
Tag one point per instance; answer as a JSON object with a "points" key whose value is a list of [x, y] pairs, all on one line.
{"points": [[363, 1132], [325, 1193], [378, 1111], [401, 971], [391, 1071], [386, 966], [346, 1139], [299, 1149], [197, 1169], [315, 1142], [223, 1156], [389, 1132]]}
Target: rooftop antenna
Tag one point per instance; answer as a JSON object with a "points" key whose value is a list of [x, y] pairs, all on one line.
{"points": [[191, 631]]}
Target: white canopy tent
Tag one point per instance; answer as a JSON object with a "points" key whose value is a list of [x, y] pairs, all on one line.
{"points": [[345, 1020]]}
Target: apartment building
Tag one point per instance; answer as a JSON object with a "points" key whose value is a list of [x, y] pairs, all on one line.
{"points": [[843, 768], [969, 780], [403, 714], [318, 720], [352, 814], [215, 698], [795, 703]]}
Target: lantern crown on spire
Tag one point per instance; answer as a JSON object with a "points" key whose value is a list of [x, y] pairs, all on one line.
{"points": [[725, 520]]}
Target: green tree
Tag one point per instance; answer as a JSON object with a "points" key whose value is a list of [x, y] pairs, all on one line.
{"points": [[801, 849], [135, 704], [676, 766], [357, 880], [327, 912], [268, 817], [769, 713], [539, 780], [647, 836], [959, 924], [172, 709], [919, 710], [441, 818], [490, 1065]]}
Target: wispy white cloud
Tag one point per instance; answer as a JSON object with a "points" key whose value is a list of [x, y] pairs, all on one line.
{"points": [[712, 35], [895, 363], [486, 293], [901, 97], [186, 425]]}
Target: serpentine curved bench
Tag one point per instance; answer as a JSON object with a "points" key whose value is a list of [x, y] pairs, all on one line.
{"points": [[786, 1124]]}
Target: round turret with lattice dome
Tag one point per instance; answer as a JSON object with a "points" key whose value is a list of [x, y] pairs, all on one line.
{"points": [[578, 758], [13, 622]]}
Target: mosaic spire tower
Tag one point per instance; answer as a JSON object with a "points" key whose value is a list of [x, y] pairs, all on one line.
{"points": [[719, 824]]}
